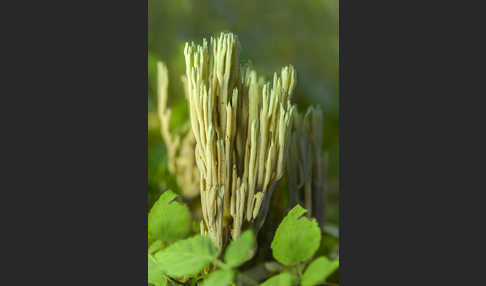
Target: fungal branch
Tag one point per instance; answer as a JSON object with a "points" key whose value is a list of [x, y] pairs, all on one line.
{"points": [[306, 164], [241, 127], [181, 156]]}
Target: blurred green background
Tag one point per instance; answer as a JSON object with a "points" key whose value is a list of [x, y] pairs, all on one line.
{"points": [[272, 34]]}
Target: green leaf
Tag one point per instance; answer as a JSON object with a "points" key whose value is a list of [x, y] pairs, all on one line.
{"points": [[187, 257], [155, 246], [284, 279], [155, 273], [240, 250], [318, 271], [219, 278], [169, 220], [297, 238]]}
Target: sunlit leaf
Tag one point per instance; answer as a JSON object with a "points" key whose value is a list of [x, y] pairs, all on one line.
{"points": [[240, 250], [318, 271], [187, 257], [169, 220], [155, 272], [297, 238]]}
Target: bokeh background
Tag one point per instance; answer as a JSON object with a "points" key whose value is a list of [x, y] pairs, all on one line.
{"points": [[272, 33]]}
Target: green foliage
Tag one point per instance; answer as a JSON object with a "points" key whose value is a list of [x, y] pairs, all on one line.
{"points": [[297, 238], [318, 271], [169, 220], [240, 250], [155, 272], [283, 279], [187, 257], [219, 278]]}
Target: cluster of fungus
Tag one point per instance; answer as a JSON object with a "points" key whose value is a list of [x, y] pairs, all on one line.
{"points": [[242, 130], [241, 126]]}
